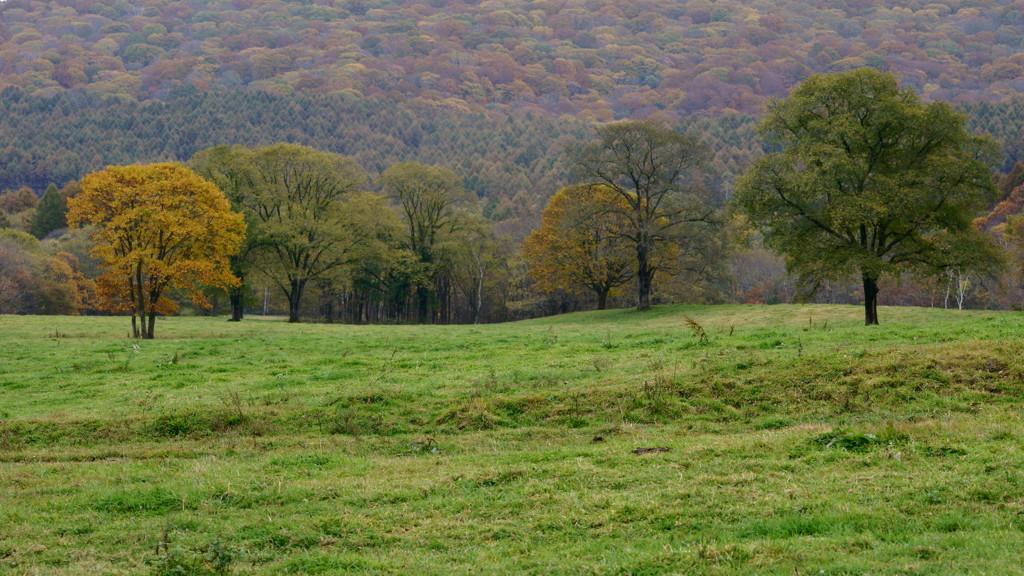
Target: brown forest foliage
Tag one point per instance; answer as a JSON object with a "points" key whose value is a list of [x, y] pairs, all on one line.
{"points": [[600, 58]]}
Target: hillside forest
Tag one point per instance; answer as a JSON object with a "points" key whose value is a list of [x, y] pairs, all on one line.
{"points": [[494, 94]]}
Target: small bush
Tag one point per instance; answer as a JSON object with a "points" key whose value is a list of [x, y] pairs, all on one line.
{"points": [[771, 422], [475, 414], [195, 423]]}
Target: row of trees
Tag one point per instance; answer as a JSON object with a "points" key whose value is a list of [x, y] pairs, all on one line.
{"points": [[865, 180], [295, 217], [395, 255], [311, 224]]}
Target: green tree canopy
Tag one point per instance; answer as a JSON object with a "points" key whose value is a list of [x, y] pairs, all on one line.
{"points": [[295, 199], [865, 178], [432, 203], [227, 168]]}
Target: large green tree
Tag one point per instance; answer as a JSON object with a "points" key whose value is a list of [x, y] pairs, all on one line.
{"points": [[865, 178], [229, 168], [655, 171], [296, 200]]}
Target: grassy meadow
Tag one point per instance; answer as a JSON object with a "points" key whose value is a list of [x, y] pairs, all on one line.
{"points": [[794, 440]]}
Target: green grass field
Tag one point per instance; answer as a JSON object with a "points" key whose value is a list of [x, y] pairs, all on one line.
{"points": [[797, 441]]}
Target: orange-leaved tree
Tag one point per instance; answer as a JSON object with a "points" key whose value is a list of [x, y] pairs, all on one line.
{"points": [[579, 245], [158, 226]]}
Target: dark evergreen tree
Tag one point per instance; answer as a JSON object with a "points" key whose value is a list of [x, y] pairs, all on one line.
{"points": [[50, 213]]}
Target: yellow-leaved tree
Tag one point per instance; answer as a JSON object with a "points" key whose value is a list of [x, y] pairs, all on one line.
{"points": [[579, 245], [158, 226]]}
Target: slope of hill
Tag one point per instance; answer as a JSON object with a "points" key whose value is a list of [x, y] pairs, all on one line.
{"points": [[501, 157], [511, 160], [794, 440]]}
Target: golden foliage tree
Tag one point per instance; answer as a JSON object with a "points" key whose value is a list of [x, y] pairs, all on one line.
{"points": [[579, 246], [60, 286], [158, 226]]}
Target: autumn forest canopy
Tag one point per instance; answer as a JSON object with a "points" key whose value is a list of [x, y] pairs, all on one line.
{"points": [[493, 101], [390, 81], [599, 58]]}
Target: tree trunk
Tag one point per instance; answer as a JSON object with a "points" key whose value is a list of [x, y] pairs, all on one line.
{"points": [[949, 288], [445, 304], [235, 295], [150, 328], [295, 300], [423, 303], [644, 278], [602, 299], [478, 302], [138, 303], [870, 299], [135, 326]]}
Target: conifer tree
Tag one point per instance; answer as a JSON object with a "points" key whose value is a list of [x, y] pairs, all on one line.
{"points": [[50, 213]]}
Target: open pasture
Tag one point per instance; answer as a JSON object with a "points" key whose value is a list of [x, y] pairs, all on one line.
{"points": [[792, 441]]}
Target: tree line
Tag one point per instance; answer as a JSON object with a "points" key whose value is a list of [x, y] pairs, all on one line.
{"points": [[505, 159], [512, 161], [863, 181]]}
